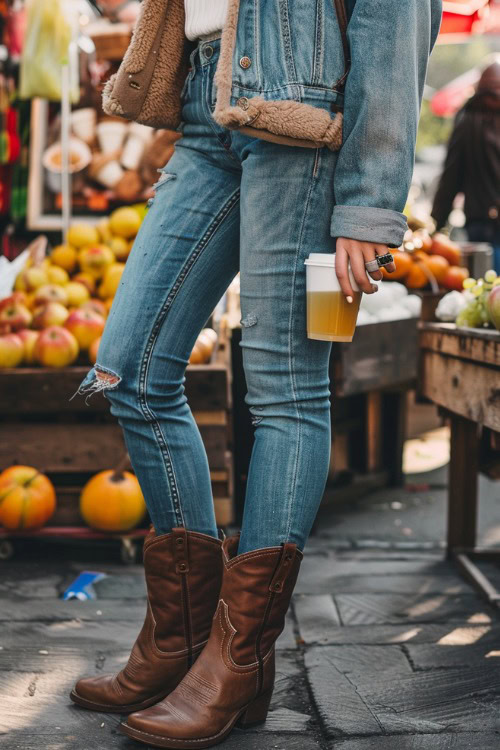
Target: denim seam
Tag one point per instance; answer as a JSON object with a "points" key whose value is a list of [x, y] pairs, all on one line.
{"points": [[301, 84], [318, 51], [148, 413], [291, 362], [286, 37], [256, 36]]}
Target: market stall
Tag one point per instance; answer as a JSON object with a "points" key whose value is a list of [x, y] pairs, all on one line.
{"points": [[460, 372], [53, 310]]}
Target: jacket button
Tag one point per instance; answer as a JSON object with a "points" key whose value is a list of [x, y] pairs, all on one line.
{"points": [[243, 102], [208, 52], [245, 62]]}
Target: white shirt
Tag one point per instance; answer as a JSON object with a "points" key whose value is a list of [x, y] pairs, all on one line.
{"points": [[204, 17]]}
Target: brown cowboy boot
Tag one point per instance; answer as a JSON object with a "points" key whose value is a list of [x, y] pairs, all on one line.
{"points": [[233, 679], [183, 576]]}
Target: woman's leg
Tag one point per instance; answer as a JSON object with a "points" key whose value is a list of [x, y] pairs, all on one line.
{"points": [[286, 373], [185, 256], [286, 202]]}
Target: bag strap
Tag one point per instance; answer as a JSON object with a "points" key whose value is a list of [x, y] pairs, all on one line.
{"points": [[343, 21]]}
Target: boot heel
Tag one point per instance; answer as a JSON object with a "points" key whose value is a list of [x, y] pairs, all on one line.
{"points": [[256, 712]]}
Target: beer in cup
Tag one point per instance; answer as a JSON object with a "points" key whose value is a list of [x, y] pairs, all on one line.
{"points": [[329, 316]]}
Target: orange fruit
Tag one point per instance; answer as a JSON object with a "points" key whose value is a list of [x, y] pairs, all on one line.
{"points": [[442, 245], [438, 266], [417, 278], [403, 263]]}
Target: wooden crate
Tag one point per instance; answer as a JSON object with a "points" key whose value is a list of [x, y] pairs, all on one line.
{"points": [[71, 439], [381, 355]]}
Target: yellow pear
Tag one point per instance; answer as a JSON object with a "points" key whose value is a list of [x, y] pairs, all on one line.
{"points": [[57, 275], [111, 280], [64, 256], [81, 235]]}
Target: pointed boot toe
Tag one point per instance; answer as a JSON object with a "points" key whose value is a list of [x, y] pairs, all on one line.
{"points": [[96, 694]]}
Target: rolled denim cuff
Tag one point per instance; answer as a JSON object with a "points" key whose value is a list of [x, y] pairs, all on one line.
{"points": [[381, 225]]}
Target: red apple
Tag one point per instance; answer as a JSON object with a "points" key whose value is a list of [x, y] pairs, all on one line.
{"points": [[56, 347], [29, 338], [51, 293], [493, 306], [442, 245], [454, 278], [85, 325], [96, 305], [11, 350], [20, 297], [51, 314], [16, 315]]}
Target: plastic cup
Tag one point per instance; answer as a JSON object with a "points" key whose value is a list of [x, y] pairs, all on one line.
{"points": [[138, 137], [111, 135], [83, 122], [329, 316]]}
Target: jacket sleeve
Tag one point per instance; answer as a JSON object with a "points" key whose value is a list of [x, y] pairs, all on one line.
{"points": [[451, 180], [390, 42]]}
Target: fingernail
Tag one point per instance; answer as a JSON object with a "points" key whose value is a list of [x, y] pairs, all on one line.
{"points": [[374, 288], [349, 299]]}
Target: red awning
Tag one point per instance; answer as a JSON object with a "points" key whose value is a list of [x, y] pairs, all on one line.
{"points": [[463, 17], [447, 101]]}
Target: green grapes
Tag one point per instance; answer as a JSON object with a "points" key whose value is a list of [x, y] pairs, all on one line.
{"points": [[475, 313]]}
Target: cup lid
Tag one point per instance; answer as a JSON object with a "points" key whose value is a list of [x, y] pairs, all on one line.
{"points": [[321, 259]]}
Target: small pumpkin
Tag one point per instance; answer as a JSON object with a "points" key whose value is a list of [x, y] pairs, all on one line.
{"points": [[112, 501], [27, 498]]}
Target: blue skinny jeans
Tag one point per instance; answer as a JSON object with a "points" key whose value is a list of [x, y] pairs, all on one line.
{"points": [[224, 203]]}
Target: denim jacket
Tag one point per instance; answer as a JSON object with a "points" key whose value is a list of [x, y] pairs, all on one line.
{"points": [[275, 79]]}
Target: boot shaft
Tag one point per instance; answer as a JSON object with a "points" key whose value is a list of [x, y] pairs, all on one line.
{"points": [[256, 591], [183, 572]]}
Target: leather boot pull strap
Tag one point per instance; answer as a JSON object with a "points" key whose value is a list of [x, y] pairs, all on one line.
{"points": [[181, 553], [284, 568]]}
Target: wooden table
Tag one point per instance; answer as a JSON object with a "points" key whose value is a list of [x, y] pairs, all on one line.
{"points": [[460, 372]]}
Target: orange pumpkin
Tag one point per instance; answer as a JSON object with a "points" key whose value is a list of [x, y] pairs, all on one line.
{"points": [[27, 498], [403, 263], [112, 501]]}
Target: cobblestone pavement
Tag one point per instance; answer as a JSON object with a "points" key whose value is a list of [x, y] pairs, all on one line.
{"points": [[385, 649]]}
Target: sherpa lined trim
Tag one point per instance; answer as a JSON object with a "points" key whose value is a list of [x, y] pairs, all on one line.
{"points": [[287, 118], [281, 121]]}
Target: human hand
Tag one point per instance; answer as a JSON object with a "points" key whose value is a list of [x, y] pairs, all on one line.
{"points": [[358, 253]]}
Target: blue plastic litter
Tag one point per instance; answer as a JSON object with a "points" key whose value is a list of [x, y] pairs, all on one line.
{"points": [[82, 587]]}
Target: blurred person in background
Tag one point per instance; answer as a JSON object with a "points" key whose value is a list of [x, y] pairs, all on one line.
{"points": [[472, 165]]}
